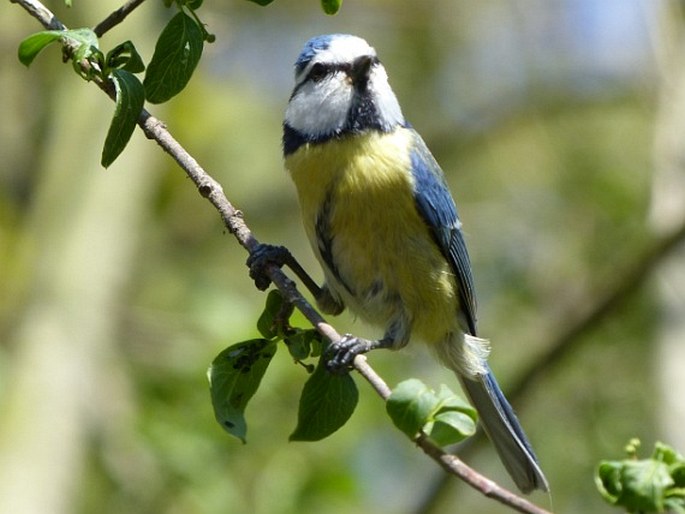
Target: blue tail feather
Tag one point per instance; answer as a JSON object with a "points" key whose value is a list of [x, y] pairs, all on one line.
{"points": [[504, 430]]}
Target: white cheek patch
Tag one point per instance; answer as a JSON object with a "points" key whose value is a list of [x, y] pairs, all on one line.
{"points": [[388, 107], [320, 108]]}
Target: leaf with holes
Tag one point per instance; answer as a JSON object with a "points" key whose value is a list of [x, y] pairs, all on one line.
{"points": [[234, 376], [125, 56]]}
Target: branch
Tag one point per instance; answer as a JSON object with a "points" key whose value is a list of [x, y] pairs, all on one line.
{"points": [[618, 293], [115, 18], [41, 13], [232, 218]]}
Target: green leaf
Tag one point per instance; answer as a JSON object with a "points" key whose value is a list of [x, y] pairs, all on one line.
{"points": [[125, 57], [448, 401], [194, 4], [643, 485], [444, 416], [261, 2], [30, 47], [665, 453], [453, 419], [95, 59], [176, 55], [647, 485], [327, 402], [84, 36], [331, 6], [234, 377], [130, 98], [266, 324], [303, 344], [451, 427], [608, 480], [410, 406], [678, 474]]}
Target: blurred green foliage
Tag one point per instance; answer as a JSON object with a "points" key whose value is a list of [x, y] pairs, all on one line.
{"points": [[655, 484], [118, 288]]}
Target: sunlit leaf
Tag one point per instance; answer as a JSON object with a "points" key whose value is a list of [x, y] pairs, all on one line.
{"points": [[450, 427], [83, 36], [30, 47], [410, 406], [444, 417]]}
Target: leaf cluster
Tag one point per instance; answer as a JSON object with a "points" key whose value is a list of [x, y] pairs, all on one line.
{"points": [[177, 53], [443, 416], [328, 399], [655, 484]]}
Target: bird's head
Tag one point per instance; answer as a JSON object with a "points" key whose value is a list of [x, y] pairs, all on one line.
{"points": [[340, 88]]}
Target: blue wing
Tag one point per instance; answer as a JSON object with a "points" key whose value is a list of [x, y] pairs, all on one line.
{"points": [[436, 206]]}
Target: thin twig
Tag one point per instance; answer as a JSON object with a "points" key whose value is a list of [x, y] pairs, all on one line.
{"points": [[116, 17], [209, 188]]}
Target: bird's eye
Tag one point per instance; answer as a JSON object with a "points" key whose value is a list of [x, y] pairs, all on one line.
{"points": [[318, 72]]}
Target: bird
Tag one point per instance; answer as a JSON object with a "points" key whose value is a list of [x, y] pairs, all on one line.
{"points": [[384, 227]]}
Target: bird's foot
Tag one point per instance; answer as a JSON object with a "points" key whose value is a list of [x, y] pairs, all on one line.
{"points": [[341, 354], [261, 257]]}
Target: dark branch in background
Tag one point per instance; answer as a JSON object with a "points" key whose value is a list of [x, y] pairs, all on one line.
{"points": [[116, 17], [618, 293], [232, 218]]}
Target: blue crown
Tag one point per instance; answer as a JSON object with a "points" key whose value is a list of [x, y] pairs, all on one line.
{"points": [[312, 47]]}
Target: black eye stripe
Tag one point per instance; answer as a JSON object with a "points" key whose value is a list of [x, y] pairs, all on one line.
{"points": [[320, 70]]}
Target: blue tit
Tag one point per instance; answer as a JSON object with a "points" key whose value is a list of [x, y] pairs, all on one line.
{"points": [[384, 227]]}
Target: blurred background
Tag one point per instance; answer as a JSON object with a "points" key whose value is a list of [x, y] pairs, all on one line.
{"points": [[560, 127]]}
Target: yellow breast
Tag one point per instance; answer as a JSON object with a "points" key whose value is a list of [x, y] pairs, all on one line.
{"points": [[382, 249]]}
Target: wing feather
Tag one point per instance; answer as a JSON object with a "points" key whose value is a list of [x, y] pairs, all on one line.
{"points": [[436, 206]]}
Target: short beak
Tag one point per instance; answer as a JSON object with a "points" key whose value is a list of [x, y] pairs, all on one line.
{"points": [[361, 69]]}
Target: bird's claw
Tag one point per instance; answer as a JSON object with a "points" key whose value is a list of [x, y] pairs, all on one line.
{"points": [[261, 257], [340, 354]]}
